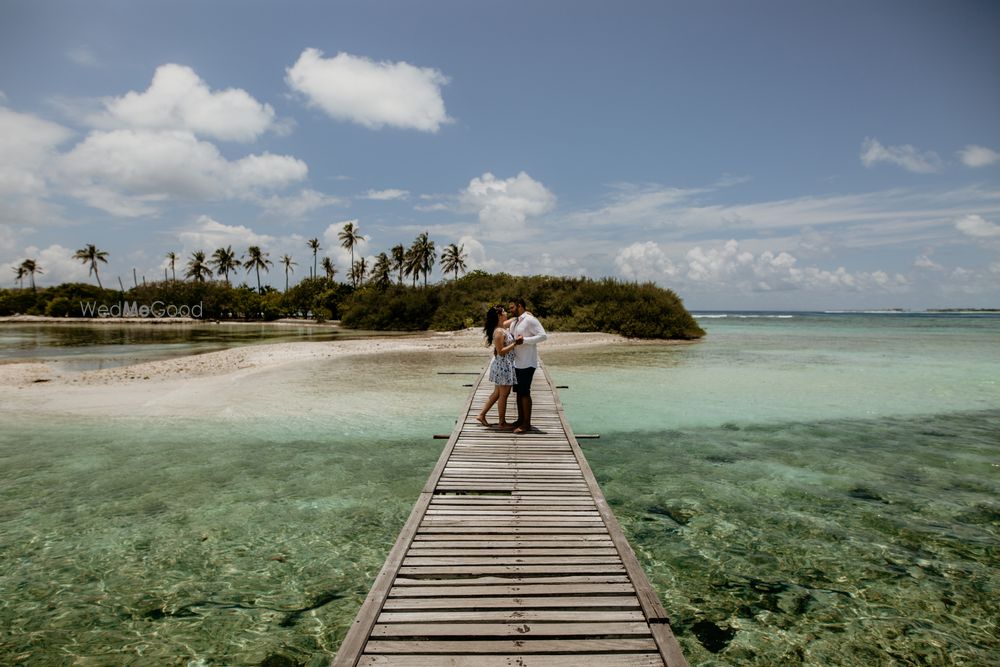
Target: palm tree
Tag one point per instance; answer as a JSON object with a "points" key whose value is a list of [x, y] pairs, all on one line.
{"points": [[20, 274], [30, 268], [257, 260], [286, 260], [411, 263], [425, 254], [358, 271], [91, 255], [314, 246], [453, 259], [381, 277], [328, 266], [349, 237], [224, 260], [197, 268], [172, 256], [399, 260]]}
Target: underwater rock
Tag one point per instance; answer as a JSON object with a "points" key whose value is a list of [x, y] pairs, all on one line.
{"points": [[861, 493], [681, 515], [278, 660], [712, 636]]}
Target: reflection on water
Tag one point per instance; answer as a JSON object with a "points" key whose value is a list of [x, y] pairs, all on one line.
{"points": [[801, 492], [94, 346]]}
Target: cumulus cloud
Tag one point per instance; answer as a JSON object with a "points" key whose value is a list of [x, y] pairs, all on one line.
{"points": [[386, 195], [178, 99], [373, 94], [907, 157], [127, 172], [505, 205], [27, 144], [644, 262], [208, 234], [977, 227], [57, 264], [733, 268], [978, 156]]}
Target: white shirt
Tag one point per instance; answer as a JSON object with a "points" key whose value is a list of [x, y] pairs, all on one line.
{"points": [[526, 354]]}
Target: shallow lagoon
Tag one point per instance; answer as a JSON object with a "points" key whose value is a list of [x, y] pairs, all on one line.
{"points": [[809, 490]]}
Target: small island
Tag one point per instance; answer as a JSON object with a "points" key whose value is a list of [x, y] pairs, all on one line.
{"points": [[633, 310]]}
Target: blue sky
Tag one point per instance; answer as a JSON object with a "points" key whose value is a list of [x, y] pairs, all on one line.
{"points": [[772, 155]]}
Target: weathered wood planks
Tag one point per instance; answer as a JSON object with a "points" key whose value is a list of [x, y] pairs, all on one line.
{"points": [[511, 555]]}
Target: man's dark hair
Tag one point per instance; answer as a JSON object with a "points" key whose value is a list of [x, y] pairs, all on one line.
{"points": [[519, 301]]}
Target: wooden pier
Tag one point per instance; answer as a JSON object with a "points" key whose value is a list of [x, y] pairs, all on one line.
{"points": [[511, 556]]}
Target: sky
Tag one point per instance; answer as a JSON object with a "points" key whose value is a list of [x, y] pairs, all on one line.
{"points": [[748, 155]]}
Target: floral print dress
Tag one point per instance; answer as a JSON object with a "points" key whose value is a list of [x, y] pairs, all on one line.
{"points": [[502, 366]]}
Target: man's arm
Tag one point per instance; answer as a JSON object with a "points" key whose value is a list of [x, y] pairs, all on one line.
{"points": [[536, 330]]}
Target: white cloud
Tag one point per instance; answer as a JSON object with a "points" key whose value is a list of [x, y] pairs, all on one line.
{"points": [[644, 262], [372, 94], [907, 157], [730, 267], [178, 99], [978, 156], [207, 234], [504, 206], [976, 227], [925, 262], [58, 265], [127, 172], [299, 205], [27, 144], [386, 195]]}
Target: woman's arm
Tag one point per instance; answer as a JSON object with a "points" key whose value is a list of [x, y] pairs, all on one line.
{"points": [[498, 345]]}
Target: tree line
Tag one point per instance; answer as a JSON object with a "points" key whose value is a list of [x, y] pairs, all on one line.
{"points": [[563, 304]]}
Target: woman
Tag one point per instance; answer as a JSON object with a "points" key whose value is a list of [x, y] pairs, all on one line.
{"points": [[502, 366]]}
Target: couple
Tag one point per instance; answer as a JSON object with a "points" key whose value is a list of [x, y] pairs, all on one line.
{"points": [[515, 358]]}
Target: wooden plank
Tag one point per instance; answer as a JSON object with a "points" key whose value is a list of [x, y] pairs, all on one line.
{"points": [[508, 569], [480, 660], [609, 578], [568, 602], [520, 629], [510, 616], [515, 590], [512, 646], [497, 552]]}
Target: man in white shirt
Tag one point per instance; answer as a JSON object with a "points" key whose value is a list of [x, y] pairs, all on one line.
{"points": [[528, 333]]}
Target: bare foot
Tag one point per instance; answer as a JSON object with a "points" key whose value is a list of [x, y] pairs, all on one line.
{"points": [[504, 426], [520, 429], [482, 420]]}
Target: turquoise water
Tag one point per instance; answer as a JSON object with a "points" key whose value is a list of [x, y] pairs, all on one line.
{"points": [[814, 490]]}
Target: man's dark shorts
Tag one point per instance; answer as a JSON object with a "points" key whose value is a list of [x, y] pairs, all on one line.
{"points": [[523, 375]]}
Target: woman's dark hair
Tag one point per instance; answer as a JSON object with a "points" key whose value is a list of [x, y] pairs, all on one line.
{"points": [[492, 322]]}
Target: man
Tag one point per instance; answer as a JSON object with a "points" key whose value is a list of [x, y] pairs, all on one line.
{"points": [[528, 333]]}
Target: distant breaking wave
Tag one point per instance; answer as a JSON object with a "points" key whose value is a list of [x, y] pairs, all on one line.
{"points": [[742, 316]]}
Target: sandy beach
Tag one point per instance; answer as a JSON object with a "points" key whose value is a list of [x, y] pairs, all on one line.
{"points": [[204, 383]]}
